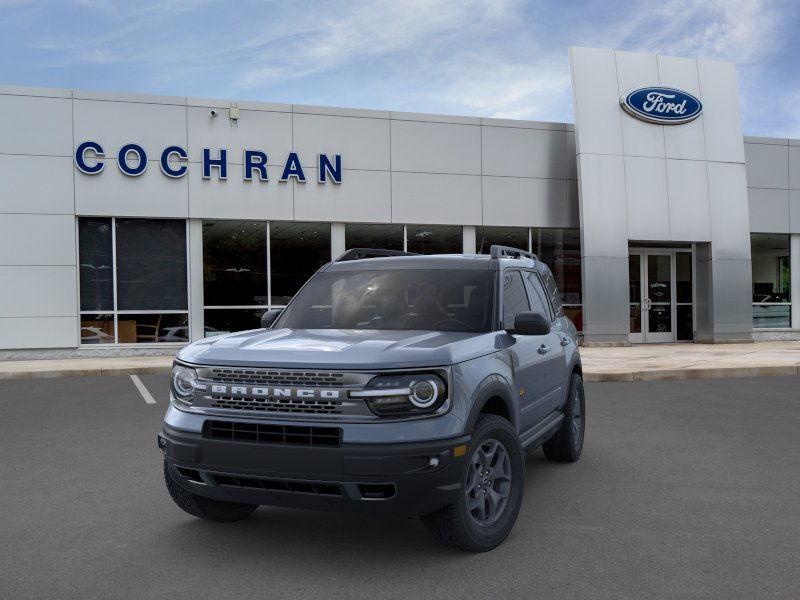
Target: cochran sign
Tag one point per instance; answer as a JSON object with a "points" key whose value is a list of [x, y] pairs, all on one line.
{"points": [[132, 161], [663, 105]]}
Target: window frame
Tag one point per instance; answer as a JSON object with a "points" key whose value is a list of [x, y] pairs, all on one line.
{"points": [[502, 287]]}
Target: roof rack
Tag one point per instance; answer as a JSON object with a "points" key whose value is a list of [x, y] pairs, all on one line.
{"points": [[359, 253], [497, 251]]}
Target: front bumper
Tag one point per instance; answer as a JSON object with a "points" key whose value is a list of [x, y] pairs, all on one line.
{"points": [[407, 478]]}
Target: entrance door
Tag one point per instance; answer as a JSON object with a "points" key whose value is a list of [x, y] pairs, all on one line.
{"points": [[660, 295]]}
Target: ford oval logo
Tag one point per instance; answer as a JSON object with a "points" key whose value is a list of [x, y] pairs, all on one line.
{"points": [[663, 105]]}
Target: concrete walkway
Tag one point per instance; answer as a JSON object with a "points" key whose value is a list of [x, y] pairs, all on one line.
{"points": [[634, 363]]}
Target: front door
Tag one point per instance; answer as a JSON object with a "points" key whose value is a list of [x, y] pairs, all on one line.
{"points": [[660, 295]]}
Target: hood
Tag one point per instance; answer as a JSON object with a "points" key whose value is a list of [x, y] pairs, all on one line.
{"points": [[340, 348]]}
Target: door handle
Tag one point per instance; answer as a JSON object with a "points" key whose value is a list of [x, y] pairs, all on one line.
{"points": [[543, 349], [648, 304], [565, 341]]}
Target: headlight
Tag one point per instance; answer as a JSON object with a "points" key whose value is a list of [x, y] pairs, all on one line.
{"points": [[183, 380], [400, 395]]}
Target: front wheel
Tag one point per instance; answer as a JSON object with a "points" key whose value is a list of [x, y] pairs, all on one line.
{"points": [[567, 443], [492, 487], [205, 508]]}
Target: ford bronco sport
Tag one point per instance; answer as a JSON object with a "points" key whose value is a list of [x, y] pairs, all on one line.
{"points": [[391, 384]]}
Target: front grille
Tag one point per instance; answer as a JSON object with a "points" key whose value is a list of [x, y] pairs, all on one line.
{"points": [[319, 488], [264, 433], [283, 405], [268, 377]]}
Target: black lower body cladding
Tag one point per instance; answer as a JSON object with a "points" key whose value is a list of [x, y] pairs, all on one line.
{"points": [[410, 479]]}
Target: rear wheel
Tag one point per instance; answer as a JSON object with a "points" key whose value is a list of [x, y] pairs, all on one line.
{"points": [[205, 508], [567, 443], [492, 487]]}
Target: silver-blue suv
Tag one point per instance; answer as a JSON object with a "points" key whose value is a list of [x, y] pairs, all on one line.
{"points": [[392, 383]]}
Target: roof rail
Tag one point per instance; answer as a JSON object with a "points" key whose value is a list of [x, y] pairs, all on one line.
{"points": [[497, 251], [359, 253]]}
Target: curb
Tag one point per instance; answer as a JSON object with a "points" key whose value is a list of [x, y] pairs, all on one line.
{"points": [[103, 371]]}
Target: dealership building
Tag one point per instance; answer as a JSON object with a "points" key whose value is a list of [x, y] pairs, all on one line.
{"points": [[132, 223]]}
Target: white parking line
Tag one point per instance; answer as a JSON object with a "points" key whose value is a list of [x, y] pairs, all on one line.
{"points": [[148, 397]]}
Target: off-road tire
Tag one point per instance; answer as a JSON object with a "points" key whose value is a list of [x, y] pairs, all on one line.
{"points": [[567, 443], [454, 525], [205, 508]]}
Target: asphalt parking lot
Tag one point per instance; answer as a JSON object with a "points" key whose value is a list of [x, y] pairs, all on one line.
{"points": [[686, 489]]}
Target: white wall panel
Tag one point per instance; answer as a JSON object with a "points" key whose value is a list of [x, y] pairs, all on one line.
{"points": [[635, 70], [436, 147], [151, 194], [730, 221], [431, 199], [722, 120], [767, 166], [519, 152], [794, 167], [686, 141], [602, 202], [36, 184], [113, 124], [794, 211], [365, 198], [363, 143], [38, 291], [687, 185], [596, 101], [525, 202], [37, 239], [33, 125], [648, 205], [237, 199], [38, 332], [769, 210], [270, 132], [569, 155]]}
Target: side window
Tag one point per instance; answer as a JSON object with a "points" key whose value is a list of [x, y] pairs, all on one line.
{"points": [[515, 299], [539, 301], [553, 293]]}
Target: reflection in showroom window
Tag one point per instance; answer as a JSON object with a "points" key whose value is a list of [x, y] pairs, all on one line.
{"points": [[486, 237], [772, 308], [296, 252], [133, 281], [560, 249], [373, 235], [435, 239]]}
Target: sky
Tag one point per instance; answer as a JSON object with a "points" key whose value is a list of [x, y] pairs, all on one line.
{"points": [[495, 58]]}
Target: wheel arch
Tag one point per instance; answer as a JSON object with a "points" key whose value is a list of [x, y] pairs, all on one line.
{"points": [[493, 397]]}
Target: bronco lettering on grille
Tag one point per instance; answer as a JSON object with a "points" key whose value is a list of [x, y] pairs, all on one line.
{"points": [[274, 392]]}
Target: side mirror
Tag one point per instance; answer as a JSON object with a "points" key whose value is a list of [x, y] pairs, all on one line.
{"points": [[531, 323], [269, 316]]}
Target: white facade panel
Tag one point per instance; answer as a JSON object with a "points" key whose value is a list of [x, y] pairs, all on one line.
{"points": [[767, 166], [27, 239], [363, 143], [38, 332], [686, 141], [269, 132], [434, 198], [648, 205], [114, 124], [722, 120], [519, 152], [365, 199], [594, 82], [38, 291], [525, 202], [114, 194], [769, 210], [794, 167], [794, 211], [602, 200], [569, 154], [36, 184], [436, 148], [687, 184], [636, 70], [237, 199], [730, 227], [35, 125]]}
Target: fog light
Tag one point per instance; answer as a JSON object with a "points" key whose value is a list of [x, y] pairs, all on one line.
{"points": [[433, 461]]}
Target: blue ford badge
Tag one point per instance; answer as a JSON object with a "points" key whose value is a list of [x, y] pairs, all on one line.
{"points": [[663, 105]]}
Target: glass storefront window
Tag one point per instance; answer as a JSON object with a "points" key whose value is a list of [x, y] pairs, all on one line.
{"points": [[435, 239], [370, 235], [486, 237], [235, 263], [560, 249], [296, 252], [133, 291], [771, 280]]}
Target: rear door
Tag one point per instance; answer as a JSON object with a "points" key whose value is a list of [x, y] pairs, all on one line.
{"points": [[554, 364], [528, 361]]}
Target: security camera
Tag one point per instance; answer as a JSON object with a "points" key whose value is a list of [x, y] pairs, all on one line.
{"points": [[213, 113]]}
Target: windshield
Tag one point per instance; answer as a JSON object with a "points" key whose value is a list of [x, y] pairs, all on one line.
{"points": [[434, 300]]}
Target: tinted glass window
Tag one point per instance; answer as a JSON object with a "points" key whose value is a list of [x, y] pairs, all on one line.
{"points": [[235, 263], [560, 249], [435, 239], [538, 298], [771, 280], [387, 237], [297, 251], [515, 298], [96, 265], [434, 300], [485, 237], [152, 328], [226, 320], [151, 264], [552, 292]]}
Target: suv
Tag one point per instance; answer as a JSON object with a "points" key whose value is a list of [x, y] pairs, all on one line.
{"points": [[392, 383]]}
